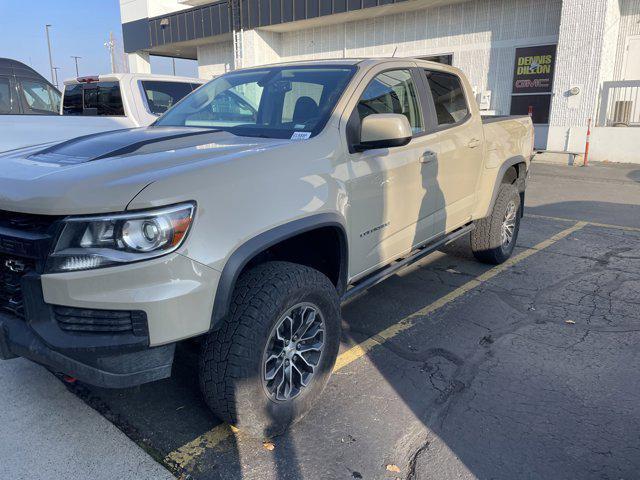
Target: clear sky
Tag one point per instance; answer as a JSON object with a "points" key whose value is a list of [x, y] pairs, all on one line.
{"points": [[79, 27]]}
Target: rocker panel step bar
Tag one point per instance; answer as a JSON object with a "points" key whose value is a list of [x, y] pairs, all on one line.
{"points": [[418, 254]]}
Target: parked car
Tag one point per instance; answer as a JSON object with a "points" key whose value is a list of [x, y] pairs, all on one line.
{"points": [[244, 216], [89, 105], [23, 91]]}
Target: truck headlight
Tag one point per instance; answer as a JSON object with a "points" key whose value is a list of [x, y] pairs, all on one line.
{"points": [[106, 240]]}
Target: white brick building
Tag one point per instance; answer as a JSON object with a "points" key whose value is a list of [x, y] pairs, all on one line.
{"points": [[595, 70]]}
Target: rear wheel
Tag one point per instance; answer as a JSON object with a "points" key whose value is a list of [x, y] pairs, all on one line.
{"points": [[494, 237], [270, 360]]}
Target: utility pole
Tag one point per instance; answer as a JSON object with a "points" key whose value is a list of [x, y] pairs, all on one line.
{"points": [[111, 45], [46, 27], [76, 58], [55, 77]]}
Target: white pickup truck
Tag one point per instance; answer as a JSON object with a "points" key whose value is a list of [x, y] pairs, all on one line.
{"points": [[89, 105]]}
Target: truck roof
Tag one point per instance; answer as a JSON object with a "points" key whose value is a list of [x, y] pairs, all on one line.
{"points": [[369, 61], [134, 76]]}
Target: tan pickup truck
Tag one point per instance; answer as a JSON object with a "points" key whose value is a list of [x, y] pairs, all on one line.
{"points": [[244, 216]]}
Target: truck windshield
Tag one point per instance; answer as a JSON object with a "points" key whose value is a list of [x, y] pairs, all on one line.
{"points": [[278, 102]]}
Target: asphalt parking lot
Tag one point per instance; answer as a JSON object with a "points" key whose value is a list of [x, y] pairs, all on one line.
{"points": [[452, 369]]}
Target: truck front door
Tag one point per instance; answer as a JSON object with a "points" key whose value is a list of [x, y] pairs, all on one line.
{"points": [[386, 195]]}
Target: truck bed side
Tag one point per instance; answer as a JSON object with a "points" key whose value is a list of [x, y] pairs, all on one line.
{"points": [[508, 142]]}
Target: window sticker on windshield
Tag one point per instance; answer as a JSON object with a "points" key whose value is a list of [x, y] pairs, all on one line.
{"points": [[300, 135]]}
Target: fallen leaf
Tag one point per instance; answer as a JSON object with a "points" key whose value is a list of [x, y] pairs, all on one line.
{"points": [[393, 468], [570, 322], [268, 446]]}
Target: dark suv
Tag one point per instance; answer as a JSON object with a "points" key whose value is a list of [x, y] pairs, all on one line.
{"points": [[23, 91]]}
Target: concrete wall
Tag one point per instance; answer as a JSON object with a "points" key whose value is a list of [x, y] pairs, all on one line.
{"points": [[587, 45], [215, 59], [609, 144], [482, 35], [131, 10]]}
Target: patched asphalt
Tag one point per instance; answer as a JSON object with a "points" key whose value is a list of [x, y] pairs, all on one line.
{"points": [[533, 373]]}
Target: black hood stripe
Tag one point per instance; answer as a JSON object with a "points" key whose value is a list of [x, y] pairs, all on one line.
{"points": [[128, 149], [115, 143]]}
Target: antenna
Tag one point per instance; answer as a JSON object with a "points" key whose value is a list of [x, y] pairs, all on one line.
{"points": [[394, 52]]}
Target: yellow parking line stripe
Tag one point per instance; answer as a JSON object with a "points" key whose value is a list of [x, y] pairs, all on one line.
{"points": [[593, 224], [185, 456], [363, 348]]}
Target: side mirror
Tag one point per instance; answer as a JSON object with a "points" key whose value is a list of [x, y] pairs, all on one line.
{"points": [[384, 130]]}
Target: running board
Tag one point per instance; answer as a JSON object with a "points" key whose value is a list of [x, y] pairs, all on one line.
{"points": [[419, 254]]}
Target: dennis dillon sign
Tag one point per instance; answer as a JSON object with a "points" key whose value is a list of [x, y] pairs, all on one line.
{"points": [[534, 69]]}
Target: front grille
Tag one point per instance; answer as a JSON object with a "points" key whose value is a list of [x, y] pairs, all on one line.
{"points": [[90, 321], [27, 222], [12, 269]]}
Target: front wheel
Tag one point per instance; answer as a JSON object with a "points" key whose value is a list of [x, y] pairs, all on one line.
{"points": [[494, 237], [272, 357]]}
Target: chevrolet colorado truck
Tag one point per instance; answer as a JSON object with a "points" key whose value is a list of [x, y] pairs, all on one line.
{"points": [[244, 216]]}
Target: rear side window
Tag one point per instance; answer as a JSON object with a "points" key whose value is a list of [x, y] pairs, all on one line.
{"points": [[161, 96], [448, 95], [6, 97], [39, 98], [392, 92]]}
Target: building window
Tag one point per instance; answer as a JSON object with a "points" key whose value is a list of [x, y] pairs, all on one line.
{"points": [[444, 59]]}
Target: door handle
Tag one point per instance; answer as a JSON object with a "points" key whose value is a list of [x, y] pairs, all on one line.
{"points": [[473, 143], [428, 156]]}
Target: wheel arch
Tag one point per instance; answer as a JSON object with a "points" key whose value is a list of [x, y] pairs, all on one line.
{"points": [[243, 256], [512, 170]]}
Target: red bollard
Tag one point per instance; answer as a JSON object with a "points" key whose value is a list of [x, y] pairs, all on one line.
{"points": [[586, 148]]}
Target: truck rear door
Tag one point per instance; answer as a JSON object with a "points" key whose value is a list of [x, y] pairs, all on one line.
{"points": [[456, 151]]}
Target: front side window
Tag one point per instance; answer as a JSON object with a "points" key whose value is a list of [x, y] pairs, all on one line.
{"points": [[6, 98], [39, 98], [448, 95], [275, 102], [161, 96], [393, 92]]}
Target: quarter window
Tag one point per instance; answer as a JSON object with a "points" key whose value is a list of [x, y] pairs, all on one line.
{"points": [[393, 92], [448, 95]]}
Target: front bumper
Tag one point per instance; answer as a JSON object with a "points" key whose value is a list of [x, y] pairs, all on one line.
{"points": [[173, 295], [110, 368]]}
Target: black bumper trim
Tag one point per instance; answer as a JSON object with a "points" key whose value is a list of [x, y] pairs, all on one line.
{"points": [[109, 370]]}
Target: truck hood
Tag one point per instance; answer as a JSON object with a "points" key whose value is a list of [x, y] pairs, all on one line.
{"points": [[103, 172]]}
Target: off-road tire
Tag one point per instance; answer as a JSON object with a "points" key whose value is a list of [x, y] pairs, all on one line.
{"points": [[486, 239], [231, 359]]}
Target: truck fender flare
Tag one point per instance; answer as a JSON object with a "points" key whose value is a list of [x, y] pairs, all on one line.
{"points": [[242, 255], [510, 162]]}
